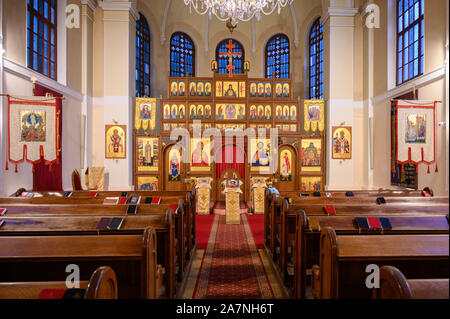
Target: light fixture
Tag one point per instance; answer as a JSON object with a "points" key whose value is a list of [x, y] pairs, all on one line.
{"points": [[237, 10]]}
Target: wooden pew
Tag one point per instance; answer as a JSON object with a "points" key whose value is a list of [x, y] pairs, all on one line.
{"points": [[164, 226], [169, 197], [273, 237], [306, 249], [272, 219], [344, 258], [394, 285], [101, 285], [82, 198], [44, 258], [182, 254]]}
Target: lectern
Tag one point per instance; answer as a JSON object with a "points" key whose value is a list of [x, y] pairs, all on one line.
{"points": [[232, 192], [203, 195], [258, 194]]}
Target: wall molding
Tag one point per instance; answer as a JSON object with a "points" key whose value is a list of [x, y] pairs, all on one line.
{"points": [[90, 3], [120, 6], [26, 73], [418, 82], [338, 12], [294, 21], [164, 21]]}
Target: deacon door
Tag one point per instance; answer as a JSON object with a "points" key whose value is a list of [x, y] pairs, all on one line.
{"points": [[173, 169], [287, 168]]}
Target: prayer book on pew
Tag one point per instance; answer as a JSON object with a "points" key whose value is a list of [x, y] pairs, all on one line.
{"points": [[313, 224], [93, 194], [51, 294], [304, 195], [148, 200], [134, 200], [385, 223], [103, 223], [131, 209], [329, 209], [328, 194], [317, 194], [37, 195], [74, 293], [374, 223], [349, 194], [68, 194], [122, 200], [115, 223], [1, 222], [361, 223], [156, 200], [111, 201], [124, 194], [3, 211], [381, 200]]}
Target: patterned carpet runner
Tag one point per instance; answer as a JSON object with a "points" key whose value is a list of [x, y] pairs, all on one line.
{"points": [[231, 266]]}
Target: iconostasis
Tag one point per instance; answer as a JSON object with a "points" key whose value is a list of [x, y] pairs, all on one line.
{"points": [[226, 104]]}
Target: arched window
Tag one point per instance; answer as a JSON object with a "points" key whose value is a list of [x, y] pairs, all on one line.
{"points": [[142, 57], [316, 61], [410, 39], [182, 55], [277, 57], [238, 56], [41, 36]]}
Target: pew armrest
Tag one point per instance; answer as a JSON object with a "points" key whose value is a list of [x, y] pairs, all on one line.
{"points": [[315, 281]]}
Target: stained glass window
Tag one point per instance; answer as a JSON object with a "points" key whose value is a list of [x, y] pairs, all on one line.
{"points": [[182, 55], [316, 61], [410, 39], [142, 57], [277, 57], [238, 56], [41, 36]]}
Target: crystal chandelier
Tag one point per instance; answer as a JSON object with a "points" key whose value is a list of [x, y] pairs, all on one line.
{"points": [[236, 10]]}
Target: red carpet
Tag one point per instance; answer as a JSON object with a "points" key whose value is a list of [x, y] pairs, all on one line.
{"points": [[256, 223], [203, 229], [231, 266]]}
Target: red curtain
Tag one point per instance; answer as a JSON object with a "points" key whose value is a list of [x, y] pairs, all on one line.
{"points": [[44, 178], [231, 156]]}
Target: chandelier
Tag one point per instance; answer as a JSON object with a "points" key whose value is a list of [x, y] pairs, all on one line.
{"points": [[236, 10]]}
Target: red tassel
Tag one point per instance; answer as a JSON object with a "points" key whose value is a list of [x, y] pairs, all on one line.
{"points": [[6, 166], [50, 168], [436, 170], [16, 170], [32, 168], [428, 171], [417, 168]]}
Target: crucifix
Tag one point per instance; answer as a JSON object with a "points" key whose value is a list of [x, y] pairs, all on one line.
{"points": [[230, 55]]}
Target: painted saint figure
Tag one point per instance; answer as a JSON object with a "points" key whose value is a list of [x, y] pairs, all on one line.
{"points": [[116, 142], [285, 168], [341, 144], [261, 157], [174, 166], [199, 156], [230, 92]]}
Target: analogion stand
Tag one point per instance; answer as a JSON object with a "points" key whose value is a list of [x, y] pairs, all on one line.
{"points": [[203, 195], [232, 204], [258, 194]]}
